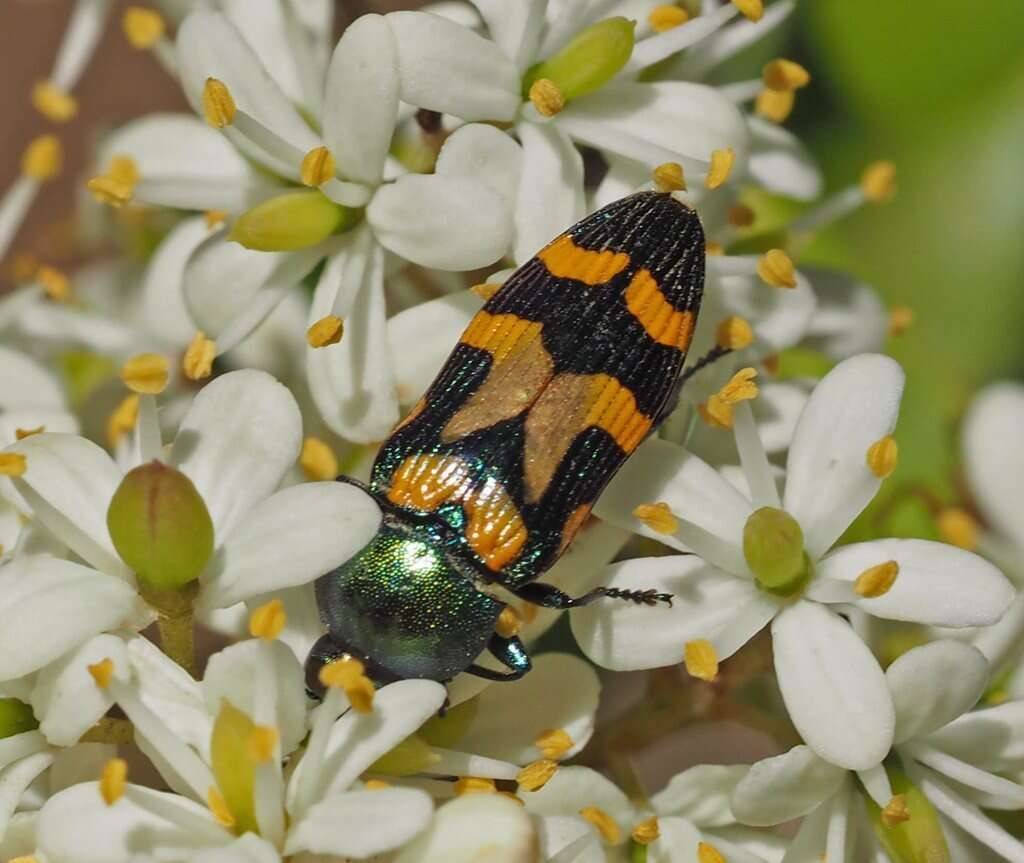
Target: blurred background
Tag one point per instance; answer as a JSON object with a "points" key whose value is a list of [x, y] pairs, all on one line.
{"points": [[938, 88]]}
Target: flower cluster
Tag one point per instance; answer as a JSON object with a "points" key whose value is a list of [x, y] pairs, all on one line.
{"points": [[171, 428]]}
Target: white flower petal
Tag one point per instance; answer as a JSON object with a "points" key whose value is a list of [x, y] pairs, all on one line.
{"points": [[655, 123], [248, 848], [550, 196], [358, 739], [828, 481], [788, 786], [707, 604], [452, 223], [850, 317], [995, 466], [937, 584], [25, 382], [486, 154], [360, 824], [351, 382], [69, 483], [362, 99], [571, 836], [433, 327], [184, 163], [448, 68], [660, 471], [560, 692], [73, 601], [991, 739], [246, 672], [810, 841], [77, 826], [834, 690], [701, 794], [289, 539], [15, 781], [780, 162], [933, 684], [163, 306], [474, 828], [574, 788], [210, 46], [303, 627], [241, 435], [66, 699], [514, 27]]}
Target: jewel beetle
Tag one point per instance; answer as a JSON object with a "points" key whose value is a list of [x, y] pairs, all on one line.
{"points": [[554, 383]]}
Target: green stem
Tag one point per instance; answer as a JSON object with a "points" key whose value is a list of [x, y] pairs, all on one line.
{"points": [[174, 610]]}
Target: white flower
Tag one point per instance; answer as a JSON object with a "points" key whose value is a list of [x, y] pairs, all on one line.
{"points": [[953, 756], [237, 441], [583, 816], [734, 585]]}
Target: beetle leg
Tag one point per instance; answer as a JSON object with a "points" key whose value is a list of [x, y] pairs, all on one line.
{"points": [[510, 653], [550, 596]]}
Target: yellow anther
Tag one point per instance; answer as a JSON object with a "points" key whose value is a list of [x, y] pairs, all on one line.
{"points": [[485, 290], [107, 190], [776, 268], [536, 774], [878, 182], [43, 158], [707, 853], [741, 387], [958, 527], [52, 102], [375, 785], [146, 373], [715, 413], [318, 166], [658, 517], [667, 16], [327, 331], [348, 674], [721, 166], [713, 249], [143, 28], [199, 355], [775, 105], [261, 743], [215, 218], [508, 623], [604, 823], [896, 811], [785, 75], [12, 464], [21, 434], [317, 460], [218, 105], [546, 97], [646, 831], [102, 672], [219, 807], [741, 216], [901, 318], [734, 333], [883, 456], [701, 659], [122, 420], [877, 580], [113, 779], [124, 170], [56, 285], [267, 621], [474, 785], [752, 9], [668, 177], [553, 743]]}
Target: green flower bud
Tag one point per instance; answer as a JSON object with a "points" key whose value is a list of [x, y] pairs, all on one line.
{"points": [[294, 220], [413, 755], [908, 829], [773, 545], [445, 731], [160, 526], [589, 61], [233, 767], [16, 717]]}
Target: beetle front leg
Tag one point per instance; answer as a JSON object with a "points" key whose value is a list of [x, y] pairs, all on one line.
{"points": [[511, 653]]}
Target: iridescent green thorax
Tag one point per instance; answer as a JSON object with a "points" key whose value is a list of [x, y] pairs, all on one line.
{"points": [[405, 606]]}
